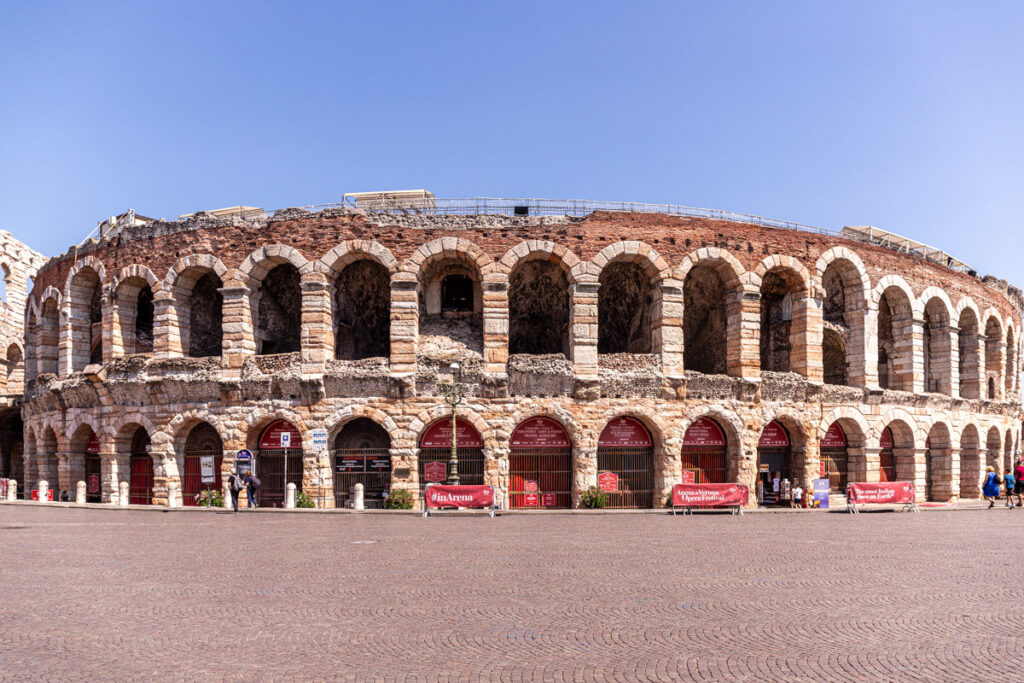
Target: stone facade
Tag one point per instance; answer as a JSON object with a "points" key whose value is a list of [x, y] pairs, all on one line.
{"points": [[172, 325]]}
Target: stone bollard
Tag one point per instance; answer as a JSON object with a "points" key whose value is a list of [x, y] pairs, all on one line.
{"points": [[80, 493], [289, 498], [122, 497], [12, 489], [172, 495], [226, 496], [358, 501], [44, 489]]}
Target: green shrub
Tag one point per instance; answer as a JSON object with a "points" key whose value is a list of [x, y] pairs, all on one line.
{"points": [[304, 500], [215, 498], [594, 498], [398, 499]]}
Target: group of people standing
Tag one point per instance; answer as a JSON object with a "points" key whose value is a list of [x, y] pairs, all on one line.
{"points": [[1012, 483], [251, 483]]}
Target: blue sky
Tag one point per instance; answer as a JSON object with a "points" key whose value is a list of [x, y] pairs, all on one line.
{"points": [[906, 116]]}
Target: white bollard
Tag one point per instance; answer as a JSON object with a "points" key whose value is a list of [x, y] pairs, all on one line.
{"points": [[172, 495], [289, 498], [12, 489], [122, 498], [80, 493], [358, 501], [44, 488]]}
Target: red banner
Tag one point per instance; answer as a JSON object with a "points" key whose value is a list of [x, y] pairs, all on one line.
{"points": [[891, 492], [608, 482], [540, 432], [704, 432], [273, 437], [439, 435], [463, 496], [709, 495], [835, 437], [773, 436], [625, 432]]}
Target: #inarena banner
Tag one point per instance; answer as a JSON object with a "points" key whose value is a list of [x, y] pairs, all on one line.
{"points": [[709, 495], [891, 492], [462, 496]]}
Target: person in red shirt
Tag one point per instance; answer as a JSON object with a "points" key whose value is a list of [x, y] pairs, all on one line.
{"points": [[1018, 487]]}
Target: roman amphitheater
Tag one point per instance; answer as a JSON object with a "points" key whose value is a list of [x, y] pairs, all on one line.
{"points": [[649, 342]]}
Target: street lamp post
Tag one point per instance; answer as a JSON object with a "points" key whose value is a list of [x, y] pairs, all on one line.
{"points": [[453, 397]]}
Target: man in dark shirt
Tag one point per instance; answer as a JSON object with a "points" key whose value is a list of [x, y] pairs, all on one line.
{"points": [[1018, 487]]}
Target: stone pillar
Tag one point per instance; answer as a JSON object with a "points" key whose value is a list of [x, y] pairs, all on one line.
{"points": [[668, 325], [862, 464], [971, 472], [909, 346], [742, 463], [496, 472], [107, 326], [67, 473], [358, 502], [668, 470], [953, 361], [911, 466], [583, 325], [239, 338], [67, 331], [80, 493], [165, 470], [495, 296], [862, 347], [124, 495], [743, 333], [806, 333], [113, 468], [405, 321], [44, 490], [167, 341], [311, 473], [12, 490], [584, 475], [810, 459], [317, 323], [289, 496], [405, 472]]}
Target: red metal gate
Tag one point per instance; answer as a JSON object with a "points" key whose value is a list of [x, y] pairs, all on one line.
{"points": [[703, 453], [835, 463], [436, 445], [141, 486], [276, 469], [540, 465], [370, 467], [886, 457], [202, 441], [774, 461], [93, 478], [626, 448]]}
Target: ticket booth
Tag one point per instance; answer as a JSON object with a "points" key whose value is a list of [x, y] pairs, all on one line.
{"points": [[625, 463], [362, 455], [835, 463], [278, 462], [774, 465], [703, 453], [886, 457], [540, 465], [141, 483], [93, 470], [202, 441], [436, 453]]}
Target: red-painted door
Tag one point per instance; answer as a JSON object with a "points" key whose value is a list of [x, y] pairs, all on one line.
{"points": [[141, 485]]}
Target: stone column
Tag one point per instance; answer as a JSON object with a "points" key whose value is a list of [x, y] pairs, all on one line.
{"points": [[743, 333], [165, 470], [806, 333], [496, 473], [239, 338], [909, 346], [953, 360], [107, 326], [864, 464], [405, 320], [405, 473], [495, 301], [73, 469], [808, 464], [113, 467], [67, 332], [317, 323], [742, 463], [971, 472], [862, 347], [311, 482], [668, 325], [167, 341], [584, 475], [911, 466], [583, 325]]}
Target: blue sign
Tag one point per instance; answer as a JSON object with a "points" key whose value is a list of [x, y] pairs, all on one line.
{"points": [[821, 490], [243, 455]]}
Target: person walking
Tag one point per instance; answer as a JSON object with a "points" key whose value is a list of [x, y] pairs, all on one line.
{"points": [[1018, 488], [252, 485], [991, 489], [235, 485], [1008, 482]]}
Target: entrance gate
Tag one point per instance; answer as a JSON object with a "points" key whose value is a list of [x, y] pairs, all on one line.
{"points": [[141, 485], [626, 449], [278, 462], [835, 462], [436, 447], [704, 452], [886, 457], [540, 465], [362, 455], [202, 441], [773, 457], [93, 470], [929, 470]]}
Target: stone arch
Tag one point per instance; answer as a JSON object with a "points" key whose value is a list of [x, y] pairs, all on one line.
{"points": [[580, 436], [942, 471], [539, 295], [728, 421], [908, 434], [181, 425], [274, 274], [80, 420], [788, 263], [971, 461], [359, 273], [132, 309], [784, 286], [350, 251], [713, 287], [970, 357], [994, 355], [46, 333], [854, 424], [193, 307], [14, 380], [937, 341], [851, 270], [993, 448], [260, 262], [82, 342], [337, 421], [83, 263], [540, 250], [259, 420], [427, 417], [896, 308]]}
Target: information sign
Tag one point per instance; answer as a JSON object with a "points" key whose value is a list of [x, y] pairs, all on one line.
{"points": [[548, 500], [206, 472], [243, 463], [773, 436], [439, 435], [821, 489], [689, 477], [540, 432], [435, 470], [704, 432], [530, 485], [92, 483], [286, 439], [835, 437], [530, 500], [319, 440], [625, 432], [608, 482]]}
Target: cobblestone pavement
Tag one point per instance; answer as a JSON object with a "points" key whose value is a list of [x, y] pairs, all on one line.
{"points": [[116, 594]]}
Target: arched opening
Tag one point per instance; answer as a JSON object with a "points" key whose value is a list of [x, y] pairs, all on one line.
{"points": [[540, 465], [625, 301], [835, 459], [938, 348], [47, 338], [12, 448], [704, 449], [436, 452], [278, 462], [203, 443], [992, 388], [86, 319], [970, 462], [141, 484], [938, 464], [774, 465], [133, 317], [538, 308], [15, 370], [279, 312], [362, 455], [779, 290], [886, 456], [47, 462], [833, 357], [625, 449], [1011, 362], [969, 355], [84, 463], [704, 322], [451, 308], [993, 448], [993, 357], [895, 341], [362, 311], [205, 317], [842, 320]]}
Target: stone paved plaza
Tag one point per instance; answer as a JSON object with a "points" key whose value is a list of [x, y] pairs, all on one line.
{"points": [[146, 595]]}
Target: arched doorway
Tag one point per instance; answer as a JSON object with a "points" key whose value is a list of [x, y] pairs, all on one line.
{"points": [[886, 456], [278, 462], [362, 455], [141, 484], [540, 465], [436, 453], [626, 449], [93, 470], [835, 462], [703, 453], [774, 459], [202, 442]]}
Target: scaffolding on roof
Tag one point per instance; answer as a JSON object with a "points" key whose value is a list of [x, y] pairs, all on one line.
{"points": [[883, 238]]}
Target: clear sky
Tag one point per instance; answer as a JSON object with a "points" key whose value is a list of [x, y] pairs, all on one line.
{"points": [[903, 115]]}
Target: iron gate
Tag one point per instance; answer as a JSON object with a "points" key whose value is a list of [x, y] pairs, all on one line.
{"points": [[706, 462], [93, 478], [471, 464], [370, 467], [192, 483], [271, 466], [540, 478], [141, 489], [635, 468], [835, 466], [929, 474], [777, 460], [886, 465]]}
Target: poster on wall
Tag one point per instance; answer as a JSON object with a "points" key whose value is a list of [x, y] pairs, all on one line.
{"points": [[821, 489]]}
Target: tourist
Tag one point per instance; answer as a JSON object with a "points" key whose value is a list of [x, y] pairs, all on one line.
{"points": [[991, 488], [252, 484], [235, 485], [798, 496], [1008, 482], [1018, 488]]}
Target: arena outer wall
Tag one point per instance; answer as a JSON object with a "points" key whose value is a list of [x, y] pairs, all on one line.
{"points": [[824, 297]]}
